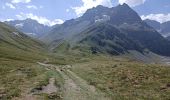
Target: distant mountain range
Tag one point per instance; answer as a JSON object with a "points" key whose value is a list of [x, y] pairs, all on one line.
{"points": [[113, 30], [163, 28], [30, 27]]}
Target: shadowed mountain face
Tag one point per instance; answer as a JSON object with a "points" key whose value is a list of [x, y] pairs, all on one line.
{"points": [[105, 38], [168, 38], [163, 28], [110, 30], [30, 27]]}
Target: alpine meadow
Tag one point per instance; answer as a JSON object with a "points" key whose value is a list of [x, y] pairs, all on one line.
{"points": [[84, 50]]}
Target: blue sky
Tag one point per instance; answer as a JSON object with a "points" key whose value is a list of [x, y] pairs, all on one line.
{"points": [[50, 12]]}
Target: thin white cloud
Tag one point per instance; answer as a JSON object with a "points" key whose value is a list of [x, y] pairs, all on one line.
{"points": [[20, 16], [158, 17], [32, 7], [87, 4], [56, 21], [132, 3], [41, 7], [10, 5], [67, 10], [9, 19], [40, 19], [21, 1], [3, 7]]}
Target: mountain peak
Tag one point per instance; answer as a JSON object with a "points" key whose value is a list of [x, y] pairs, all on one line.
{"points": [[124, 7], [116, 15], [100, 7], [124, 4], [97, 8], [28, 19]]}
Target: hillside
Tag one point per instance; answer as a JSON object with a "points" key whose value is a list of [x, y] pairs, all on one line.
{"points": [[18, 56], [105, 38], [16, 45]]}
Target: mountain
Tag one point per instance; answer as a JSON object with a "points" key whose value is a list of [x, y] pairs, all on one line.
{"points": [[107, 30], [16, 45], [30, 27], [163, 28], [156, 25], [94, 15]]}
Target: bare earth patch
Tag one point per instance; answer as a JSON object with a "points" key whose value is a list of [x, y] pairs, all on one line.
{"points": [[50, 88]]}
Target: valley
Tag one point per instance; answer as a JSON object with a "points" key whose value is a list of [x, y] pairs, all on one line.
{"points": [[101, 55], [97, 77]]}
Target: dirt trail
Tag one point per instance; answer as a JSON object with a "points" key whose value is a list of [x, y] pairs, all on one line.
{"points": [[72, 91], [50, 88], [87, 92], [76, 88], [28, 97]]}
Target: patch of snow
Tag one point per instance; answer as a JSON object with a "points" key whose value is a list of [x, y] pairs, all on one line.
{"points": [[159, 30], [104, 18], [31, 34], [166, 35], [16, 33], [125, 23], [19, 25]]}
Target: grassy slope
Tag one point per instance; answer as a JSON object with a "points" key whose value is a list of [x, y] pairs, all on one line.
{"points": [[122, 79], [116, 76], [19, 78], [19, 72], [119, 77], [16, 76]]}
